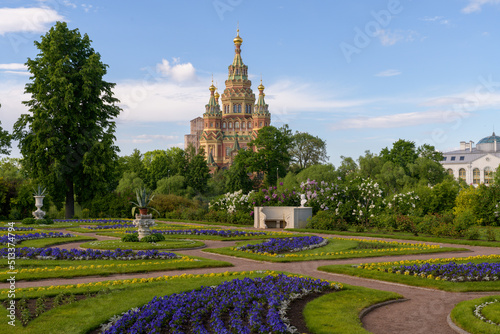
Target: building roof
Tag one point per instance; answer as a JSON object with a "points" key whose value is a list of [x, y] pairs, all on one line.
{"points": [[490, 139]]}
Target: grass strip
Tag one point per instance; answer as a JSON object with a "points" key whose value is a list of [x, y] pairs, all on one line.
{"points": [[48, 242], [463, 316], [339, 312], [168, 244]]}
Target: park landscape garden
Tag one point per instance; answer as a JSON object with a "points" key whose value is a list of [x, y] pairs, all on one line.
{"points": [[394, 243]]}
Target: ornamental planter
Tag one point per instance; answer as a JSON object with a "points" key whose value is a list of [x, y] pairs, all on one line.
{"points": [[38, 214], [143, 223]]}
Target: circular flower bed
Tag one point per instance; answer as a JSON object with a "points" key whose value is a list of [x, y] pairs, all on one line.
{"points": [[239, 306], [56, 253], [5, 239], [282, 245]]}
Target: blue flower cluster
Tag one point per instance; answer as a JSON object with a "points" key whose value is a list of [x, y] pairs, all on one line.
{"points": [[238, 306], [108, 227], [283, 245], [4, 239], [16, 228], [99, 221], [218, 233], [86, 254], [454, 272]]}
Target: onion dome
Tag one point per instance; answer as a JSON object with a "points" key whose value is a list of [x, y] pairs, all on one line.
{"points": [[238, 40]]}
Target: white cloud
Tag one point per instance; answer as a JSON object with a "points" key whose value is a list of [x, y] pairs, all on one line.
{"points": [[476, 5], [27, 19], [388, 37], [438, 19], [13, 66], [177, 71], [388, 73], [150, 138], [399, 120]]}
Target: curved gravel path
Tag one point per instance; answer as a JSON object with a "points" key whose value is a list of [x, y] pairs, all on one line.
{"points": [[425, 310]]}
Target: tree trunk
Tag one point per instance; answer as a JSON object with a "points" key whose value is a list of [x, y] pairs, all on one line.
{"points": [[70, 199]]}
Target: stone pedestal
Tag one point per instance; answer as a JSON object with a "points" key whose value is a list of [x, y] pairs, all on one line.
{"points": [[274, 216], [39, 214], [143, 223]]}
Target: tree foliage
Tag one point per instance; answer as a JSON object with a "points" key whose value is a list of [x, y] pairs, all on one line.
{"points": [[271, 155], [307, 150], [67, 139], [5, 140]]}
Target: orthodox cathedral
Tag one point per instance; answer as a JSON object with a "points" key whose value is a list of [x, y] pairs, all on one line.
{"points": [[230, 124]]}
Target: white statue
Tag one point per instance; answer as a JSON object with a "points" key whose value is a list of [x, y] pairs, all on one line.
{"points": [[262, 218], [303, 200]]}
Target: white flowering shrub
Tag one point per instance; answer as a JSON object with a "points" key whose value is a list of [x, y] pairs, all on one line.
{"points": [[403, 203], [232, 202], [369, 201]]}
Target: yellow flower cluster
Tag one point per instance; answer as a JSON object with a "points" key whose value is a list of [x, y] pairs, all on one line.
{"points": [[338, 286], [99, 266]]}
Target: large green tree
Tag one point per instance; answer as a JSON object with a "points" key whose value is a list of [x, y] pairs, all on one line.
{"points": [[307, 150], [5, 139], [271, 156], [67, 139]]}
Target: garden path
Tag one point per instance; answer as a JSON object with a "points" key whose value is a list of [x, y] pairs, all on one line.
{"points": [[424, 311]]}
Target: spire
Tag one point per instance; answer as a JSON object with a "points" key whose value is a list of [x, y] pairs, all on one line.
{"points": [[216, 95], [237, 70], [212, 108]]}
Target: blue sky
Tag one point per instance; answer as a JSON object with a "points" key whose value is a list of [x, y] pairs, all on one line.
{"points": [[359, 74]]}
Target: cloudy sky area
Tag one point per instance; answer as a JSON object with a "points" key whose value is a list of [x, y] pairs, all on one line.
{"points": [[359, 74]]}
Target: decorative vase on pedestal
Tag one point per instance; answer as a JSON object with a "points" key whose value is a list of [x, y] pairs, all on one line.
{"points": [[39, 214], [143, 223]]}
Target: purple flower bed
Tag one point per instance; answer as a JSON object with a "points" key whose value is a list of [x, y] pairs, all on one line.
{"points": [[455, 272], [16, 228], [282, 245], [56, 253], [98, 221], [219, 233], [107, 227], [238, 306], [4, 239]]}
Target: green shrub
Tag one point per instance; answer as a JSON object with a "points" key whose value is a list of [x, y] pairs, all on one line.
{"points": [[133, 237], [472, 233], [327, 220], [169, 203], [29, 221], [85, 213], [463, 221], [407, 224], [153, 238], [490, 234], [45, 221]]}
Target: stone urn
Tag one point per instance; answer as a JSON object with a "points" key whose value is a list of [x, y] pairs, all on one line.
{"points": [[143, 223], [38, 214]]}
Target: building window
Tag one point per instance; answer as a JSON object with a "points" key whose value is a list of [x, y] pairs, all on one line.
{"points": [[230, 125], [461, 174], [488, 175], [234, 108], [265, 123], [452, 158], [236, 125], [450, 171], [249, 125], [228, 151], [224, 125], [444, 158], [260, 124], [476, 176], [462, 158], [239, 108], [243, 125], [211, 124]]}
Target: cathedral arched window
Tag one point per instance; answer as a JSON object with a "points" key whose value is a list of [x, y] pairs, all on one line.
{"points": [[230, 125], [239, 108], [224, 125], [476, 176], [488, 175], [243, 125], [236, 125], [461, 173], [450, 171], [234, 108], [249, 125]]}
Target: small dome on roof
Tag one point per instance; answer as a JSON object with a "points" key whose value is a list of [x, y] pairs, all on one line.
{"points": [[490, 139]]}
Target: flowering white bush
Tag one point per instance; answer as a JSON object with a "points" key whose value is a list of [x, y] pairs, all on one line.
{"points": [[232, 202], [403, 203], [368, 201]]}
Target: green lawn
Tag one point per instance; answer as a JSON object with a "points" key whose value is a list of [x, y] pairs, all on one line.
{"points": [[42, 269], [463, 316], [337, 248], [86, 315], [169, 244], [50, 242]]}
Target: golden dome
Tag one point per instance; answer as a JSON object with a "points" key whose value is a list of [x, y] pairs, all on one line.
{"points": [[217, 95], [238, 40], [212, 87], [261, 86]]}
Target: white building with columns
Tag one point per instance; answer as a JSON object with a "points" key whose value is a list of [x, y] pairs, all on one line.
{"points": [[476, 164]]}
